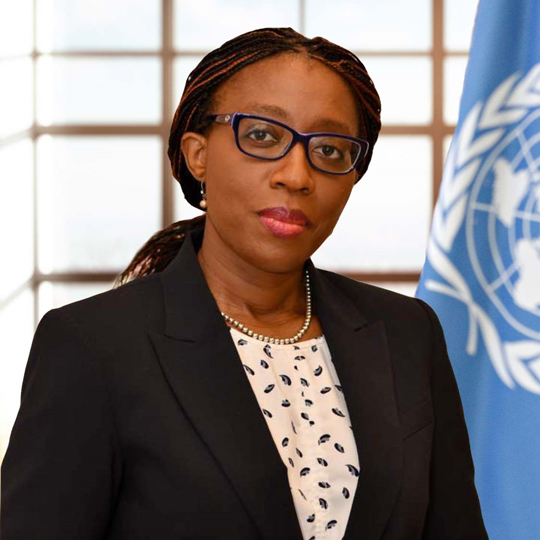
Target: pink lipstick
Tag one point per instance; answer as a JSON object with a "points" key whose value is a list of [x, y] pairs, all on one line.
{"points": [[282, 222]]}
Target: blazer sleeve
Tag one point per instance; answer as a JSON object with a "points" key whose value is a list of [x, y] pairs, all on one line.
{"points": [[61, 471], [454, 510]]}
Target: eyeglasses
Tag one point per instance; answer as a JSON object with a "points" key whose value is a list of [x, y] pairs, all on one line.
{"points": [[268, 139]]}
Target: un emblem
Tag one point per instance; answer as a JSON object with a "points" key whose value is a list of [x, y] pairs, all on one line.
{"points": [[491, 192]]}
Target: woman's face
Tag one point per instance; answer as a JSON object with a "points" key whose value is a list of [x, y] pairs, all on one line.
{"points": [[308, 96]]}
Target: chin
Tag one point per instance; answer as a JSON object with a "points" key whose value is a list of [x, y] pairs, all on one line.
{"points": [[281, 258]]}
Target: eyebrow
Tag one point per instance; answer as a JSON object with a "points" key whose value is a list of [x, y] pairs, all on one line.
{"points": [[324, 123]]}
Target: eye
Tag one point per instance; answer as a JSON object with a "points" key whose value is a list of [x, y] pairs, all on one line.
{"points": [[257, 132], [328, 151], [260, 135]]}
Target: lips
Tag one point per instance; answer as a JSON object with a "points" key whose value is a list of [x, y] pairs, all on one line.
{"points": [[283, 222]]}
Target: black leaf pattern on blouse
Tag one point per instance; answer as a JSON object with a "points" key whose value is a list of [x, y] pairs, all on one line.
{"points": [[267, 413], [338, 387], [299, 453], [311, 519], [337, 412], [324, 485], [291, 462], [267, 349], [311, 423], [300, 357], [286, 379], [304, 471], [353, 470], [323, 503], [264, 364], [285, 441], [293, 428], [324, 438], [339, 448], [296, 347], [296, 367], [242, 342], [325, 390], [285, 403], [314, 348], [318, 371], [305, 416], [308, 402], [304, 382], [302, 495], [322, 462], [269, 388], [330, 524], [249, 370], [346, 493]]}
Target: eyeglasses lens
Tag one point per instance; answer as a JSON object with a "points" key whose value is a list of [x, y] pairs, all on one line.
{"points": [[262, 139], [333, 154], [266, 140]]}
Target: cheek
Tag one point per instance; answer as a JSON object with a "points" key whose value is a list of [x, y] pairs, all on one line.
{"points": [[230, 180], [232, 183], [330, 205], [222, 167], [334, 200]]}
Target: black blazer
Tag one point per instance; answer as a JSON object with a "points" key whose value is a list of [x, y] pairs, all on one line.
{"points": [[137, 420]]}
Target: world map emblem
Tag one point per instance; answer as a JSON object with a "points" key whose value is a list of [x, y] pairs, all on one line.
{"points": [[485, 243]]}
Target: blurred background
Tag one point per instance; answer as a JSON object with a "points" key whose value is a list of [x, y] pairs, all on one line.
{"points": [[88, 89]]}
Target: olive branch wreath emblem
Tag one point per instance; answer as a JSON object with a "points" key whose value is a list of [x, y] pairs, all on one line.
{"points": [[483, 127]]}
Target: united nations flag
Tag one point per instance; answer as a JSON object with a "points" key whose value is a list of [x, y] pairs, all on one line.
{"points": [[482, 271]]}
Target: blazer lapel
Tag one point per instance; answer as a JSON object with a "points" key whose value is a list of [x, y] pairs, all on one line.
{"points": [[203, 368], [361, 357]]}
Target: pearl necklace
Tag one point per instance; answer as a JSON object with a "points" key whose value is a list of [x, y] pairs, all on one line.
{"points": [[277, 341]]}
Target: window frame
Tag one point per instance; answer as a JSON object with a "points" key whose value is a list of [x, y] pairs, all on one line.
{"points": [[437, 130]]}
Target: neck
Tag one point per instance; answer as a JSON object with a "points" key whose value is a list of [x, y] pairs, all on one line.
{"points": [[258, 298]]}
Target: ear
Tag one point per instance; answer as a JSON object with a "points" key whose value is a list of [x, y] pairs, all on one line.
{"points": [[193, 146]]}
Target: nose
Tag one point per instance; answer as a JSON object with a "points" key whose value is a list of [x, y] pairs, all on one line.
{"points": [[293, 171]]}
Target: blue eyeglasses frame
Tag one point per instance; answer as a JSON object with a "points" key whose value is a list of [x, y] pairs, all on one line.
{"points": [[233, 119]]}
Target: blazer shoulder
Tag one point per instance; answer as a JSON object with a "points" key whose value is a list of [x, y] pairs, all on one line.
{"points": [[376, 302], [118, 315], [136, 297]]}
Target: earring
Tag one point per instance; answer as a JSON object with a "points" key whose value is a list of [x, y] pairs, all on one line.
{"points": [[203, 204]]}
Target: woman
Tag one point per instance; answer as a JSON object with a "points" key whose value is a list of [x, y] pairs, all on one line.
{"points": [[231, 389]]}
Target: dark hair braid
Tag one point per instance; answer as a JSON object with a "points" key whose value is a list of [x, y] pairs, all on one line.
{"points": [[197, 99]]}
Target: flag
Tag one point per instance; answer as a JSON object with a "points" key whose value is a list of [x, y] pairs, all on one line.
{"points": [[482, 269]]}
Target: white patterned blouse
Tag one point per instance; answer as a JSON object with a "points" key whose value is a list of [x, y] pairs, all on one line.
{"points": [[300, 396]]}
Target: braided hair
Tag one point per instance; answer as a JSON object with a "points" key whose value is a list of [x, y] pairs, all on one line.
{"points": [[196, 102]]}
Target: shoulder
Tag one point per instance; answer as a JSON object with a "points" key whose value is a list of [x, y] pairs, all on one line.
{"points": [[132, 300], [115, 317], [377, 303], [411, 327], [407, 327]]}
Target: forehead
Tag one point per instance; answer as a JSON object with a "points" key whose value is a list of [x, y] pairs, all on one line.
{"points": [[294, 88]]}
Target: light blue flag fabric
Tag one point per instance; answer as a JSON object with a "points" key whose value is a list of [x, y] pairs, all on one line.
{"points": [[482, 271]]}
